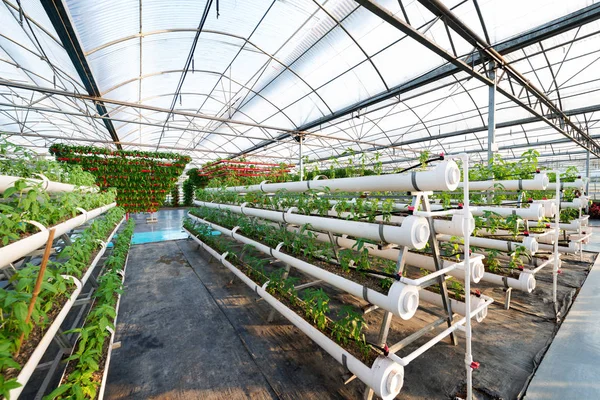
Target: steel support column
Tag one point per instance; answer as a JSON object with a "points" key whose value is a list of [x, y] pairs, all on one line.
{"points": [[492, 146]]}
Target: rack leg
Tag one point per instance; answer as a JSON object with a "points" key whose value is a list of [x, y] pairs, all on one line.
{"points": [[435, 248]]}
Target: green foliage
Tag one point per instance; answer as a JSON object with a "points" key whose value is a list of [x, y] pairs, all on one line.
{"points": [[82, 381], [142, 178], [175, 196], [188, 193], [14, 300]]}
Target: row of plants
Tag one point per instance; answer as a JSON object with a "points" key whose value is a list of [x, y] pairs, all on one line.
{"points": [[29, 202], [130, 172], [19, 338], [346, 327], [86, 365], [19, 161], [93, 150]]}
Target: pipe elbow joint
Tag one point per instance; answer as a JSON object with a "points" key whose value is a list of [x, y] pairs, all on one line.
{"points": [[404, 300], [418, 229], [477, 270], [531, 244], [527, 282], [387, 378]]}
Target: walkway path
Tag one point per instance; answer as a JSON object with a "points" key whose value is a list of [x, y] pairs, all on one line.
{"points": [[571, 367]]}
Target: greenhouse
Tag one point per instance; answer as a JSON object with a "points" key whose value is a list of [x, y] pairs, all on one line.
{"points": [[299, 199]]}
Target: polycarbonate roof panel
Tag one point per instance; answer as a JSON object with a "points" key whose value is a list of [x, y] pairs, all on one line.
{"points": [[287, 63]]}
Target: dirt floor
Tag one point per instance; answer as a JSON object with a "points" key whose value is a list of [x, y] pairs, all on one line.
{"points": [[190, 330]]}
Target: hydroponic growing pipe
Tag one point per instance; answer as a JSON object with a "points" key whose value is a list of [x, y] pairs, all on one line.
{"points": [[21, 248], [417, 260], [534, 212], [445, 177], [578, 184], [413, 233], [49, 334], [385, 377], [402, 300], [539, 182], [529, 243], [450, 227], [45, 184]]}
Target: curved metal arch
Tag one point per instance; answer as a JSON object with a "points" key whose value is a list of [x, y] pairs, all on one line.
{"points": [[38, 56], [245, 40], [338, 23], [140, 78], [54, 100], [120, 108]]}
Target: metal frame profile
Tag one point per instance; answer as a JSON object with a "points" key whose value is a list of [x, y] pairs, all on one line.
{"points": [[59, 17], [535, 101]]}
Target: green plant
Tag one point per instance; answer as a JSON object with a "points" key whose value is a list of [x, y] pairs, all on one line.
{"points": [[316, 306]]}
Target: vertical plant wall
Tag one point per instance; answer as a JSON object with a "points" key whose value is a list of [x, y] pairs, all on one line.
{"points": [[142, 179]]}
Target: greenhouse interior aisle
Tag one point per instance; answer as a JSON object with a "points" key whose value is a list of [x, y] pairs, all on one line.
{"points": [[571, 367], [178, 341]]}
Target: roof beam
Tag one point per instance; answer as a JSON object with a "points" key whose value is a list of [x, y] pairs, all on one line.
{"points": [[542, 107], [535, 35], [59, 16]]}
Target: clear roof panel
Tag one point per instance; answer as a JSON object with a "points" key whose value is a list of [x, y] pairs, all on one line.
{"points": [[286, 64]]}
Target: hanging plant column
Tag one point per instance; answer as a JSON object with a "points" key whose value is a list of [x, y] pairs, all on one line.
{"points": [[142, 179]]}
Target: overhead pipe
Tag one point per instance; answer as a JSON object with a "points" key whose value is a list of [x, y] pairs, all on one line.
{"points": [[21, 248], [402, 300], [530, 243], [48, 186], [413, 233], [444, 177], [38, 353], [414, 259], [385, 377], [539, 182]]}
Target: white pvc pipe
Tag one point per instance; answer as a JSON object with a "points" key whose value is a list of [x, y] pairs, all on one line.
{"points": [[112, 338], [578, 202], [534, 212], [414, 259], [457, 306], [99, 255], [21, 248], [578, 184], [549, 207], [39, 351], [7, 181], [385, 377], [444, 177], [450, 227], [413, 233], [574, 225], [573, 247], [525, 283], [539, 182], [402, 300], [529, 243]]}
